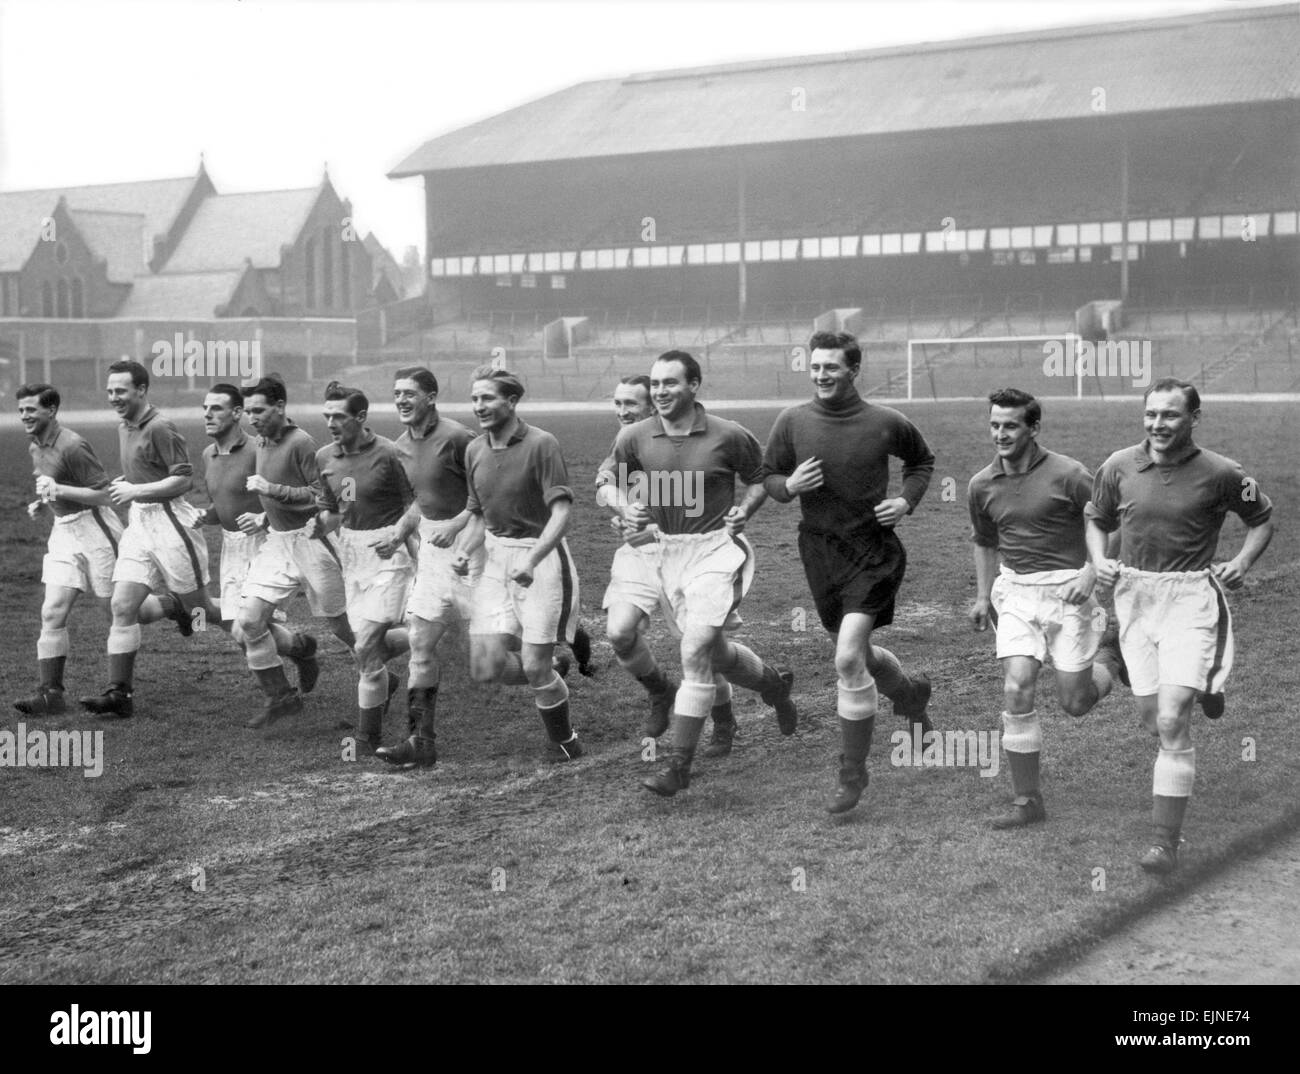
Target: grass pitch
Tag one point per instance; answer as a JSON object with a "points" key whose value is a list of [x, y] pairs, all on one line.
{"points": [[210, 853]]}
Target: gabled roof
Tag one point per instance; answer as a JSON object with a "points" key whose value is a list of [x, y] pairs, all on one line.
{"points": [[120, 238], [229, 229], [1218, 58], [20, 225], [180, 295], [383, 265], [157, 200]]}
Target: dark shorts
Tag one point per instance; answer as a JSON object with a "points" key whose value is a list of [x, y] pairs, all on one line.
{"points": [[856, 571]]}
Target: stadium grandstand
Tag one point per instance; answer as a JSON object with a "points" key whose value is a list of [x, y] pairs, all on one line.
{"points": [[1126, 182]]}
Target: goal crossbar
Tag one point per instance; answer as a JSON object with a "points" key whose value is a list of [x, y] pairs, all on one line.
{"points": [[1071, 339]]}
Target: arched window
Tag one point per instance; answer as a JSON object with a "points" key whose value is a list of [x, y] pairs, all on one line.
{"points": [[61, 309], [78, 297], [327, 269], [47, 299], [309, 256], [345, 275]]}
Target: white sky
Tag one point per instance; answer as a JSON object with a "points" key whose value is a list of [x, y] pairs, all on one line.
{"points": [[271, 90]]}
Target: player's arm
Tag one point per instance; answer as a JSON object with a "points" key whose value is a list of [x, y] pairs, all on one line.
{"points": [[123, 491], [986, 569], [747, 460], [1078, 487], [984, 538], [1105, 568], [1102, 520], [86, 484], [556, 526], [1233, 572], [49, 489], [304, 458], [734, 520], [169, 450], [471, 540], [918, 464]]}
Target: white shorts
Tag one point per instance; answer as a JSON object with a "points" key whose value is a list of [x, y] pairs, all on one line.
{"points": [[1034, 621], [289, 560], [82, 551], [543, 613], [1174, 630], [704, 577], [438, 593], [376, 588], [238, 550], [161, 548]]}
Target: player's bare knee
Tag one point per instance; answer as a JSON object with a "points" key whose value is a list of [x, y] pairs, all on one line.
{"points": [[1018, 695], [1078, 701], [851, 666]]}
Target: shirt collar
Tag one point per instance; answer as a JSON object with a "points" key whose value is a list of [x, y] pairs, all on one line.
{"points": [[367, 441], [241, 438], [1142, 456], [427, 431], [700, 423], [521, 430], [50, 435], [1036, 457], [284, 431], [150, 412]]}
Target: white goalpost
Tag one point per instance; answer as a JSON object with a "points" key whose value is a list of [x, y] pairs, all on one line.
{"points": [[1070, 339]]}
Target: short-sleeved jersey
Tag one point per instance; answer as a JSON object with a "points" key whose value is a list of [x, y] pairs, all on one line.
{"points": [[854, 441], [1034, 519], [1169, 515], [289, 464], [513, 487], [66, 457], [434, 460], [152, 450], [688, 482], [226, 474], [367, 487]]}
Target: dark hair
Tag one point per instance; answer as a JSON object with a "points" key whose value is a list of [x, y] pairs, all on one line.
{"points": [[640, 380], [354, 397], [1172, 384], [510, 385], [837, 341], [271, 386], [139, 375], [689, 364], [423, 377], [46, 395], [232, 393], [1014, 398]]}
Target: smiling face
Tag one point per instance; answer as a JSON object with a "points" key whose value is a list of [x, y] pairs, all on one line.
{"points": [[220, 415], [672, 395], [35, 418], [831, 375], [632, 403], [413, 403], [344, 428], [1012, 435], [493, 410], [1168, 422], [124, 397], [265, 417]]}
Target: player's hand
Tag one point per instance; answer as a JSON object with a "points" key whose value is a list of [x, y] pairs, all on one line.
{"points": [[807, 476], [603, 478], [734, 521], [313, 528], [637, 516], [251, 522], [889, 513], [980, 614], [1080, 589], [1107, 573], [35, 507], [460, 564], [121, 491], [523, 576], [257, 483], [1230, 574], [442, 534], [46, 488], [385, 549]]}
